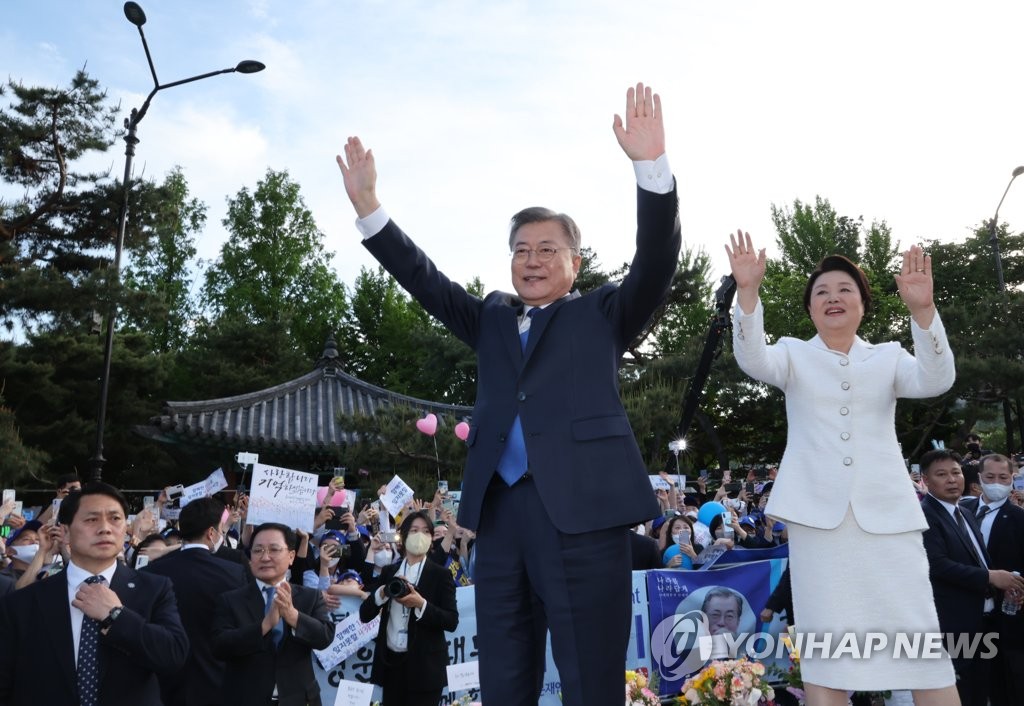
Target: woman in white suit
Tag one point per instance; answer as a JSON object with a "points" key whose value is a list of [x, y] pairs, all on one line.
{"points": [[858, 563]]}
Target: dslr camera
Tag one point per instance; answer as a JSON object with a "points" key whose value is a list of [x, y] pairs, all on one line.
{"points": [[396, 588]]}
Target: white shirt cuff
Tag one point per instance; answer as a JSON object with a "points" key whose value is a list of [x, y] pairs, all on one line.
{"points": [[655, 176], [373, 224], [420, 611]]}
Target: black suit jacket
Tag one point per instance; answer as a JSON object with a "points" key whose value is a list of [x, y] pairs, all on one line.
{"points": [[644, 552], [199, 578], [1006, 548], [6, 585], [37, 657], [254, 665], [564, 386], [959, 583], [426, 661]]}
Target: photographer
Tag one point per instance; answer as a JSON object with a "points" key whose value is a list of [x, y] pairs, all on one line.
{"points": [[416, 602]]}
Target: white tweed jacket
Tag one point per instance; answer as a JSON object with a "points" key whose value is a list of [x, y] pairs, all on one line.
{"points": [[841, 447]]}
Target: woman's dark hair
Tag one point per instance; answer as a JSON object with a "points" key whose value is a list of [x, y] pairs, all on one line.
{"points": [[838, 263], [666, 537], [403, 531]]}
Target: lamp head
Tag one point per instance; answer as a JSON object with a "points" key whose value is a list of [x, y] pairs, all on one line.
{"points": [[1017, 172], [134, 14], [249, 66]]}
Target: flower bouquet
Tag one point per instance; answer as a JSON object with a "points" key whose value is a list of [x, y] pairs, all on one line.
{"points": [[638, 692], [735, 682]]}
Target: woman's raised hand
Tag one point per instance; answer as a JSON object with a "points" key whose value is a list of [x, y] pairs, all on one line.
{"points": [[746, 263]]}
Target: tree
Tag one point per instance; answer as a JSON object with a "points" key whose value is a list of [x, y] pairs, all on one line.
{"points": [[273, 269], [19, 460], [52, 236], [161, 264]]}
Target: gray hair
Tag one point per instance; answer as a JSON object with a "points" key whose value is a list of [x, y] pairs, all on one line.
{"points": [[539, 214]]}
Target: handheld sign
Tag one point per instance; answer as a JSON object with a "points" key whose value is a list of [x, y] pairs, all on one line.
{"points": [[282, 495]]}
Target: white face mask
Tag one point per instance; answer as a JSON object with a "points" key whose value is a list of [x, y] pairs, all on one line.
{"points": [[333, 562], [382, 558], [25, 552], [417, 543], [995, 491]]}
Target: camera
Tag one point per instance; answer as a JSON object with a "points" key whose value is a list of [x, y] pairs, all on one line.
{"points": [[396, 588]]}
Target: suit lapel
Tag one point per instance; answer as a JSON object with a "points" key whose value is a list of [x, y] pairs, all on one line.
{"points": [[56, 612], [540, 323], [509, 330]]}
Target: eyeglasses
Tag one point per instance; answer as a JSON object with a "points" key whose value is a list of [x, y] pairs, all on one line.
{"points": [[545, 254], [272, 551]]}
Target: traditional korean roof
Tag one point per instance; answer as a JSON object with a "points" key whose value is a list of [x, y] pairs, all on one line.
{"points": [[298, 416]]}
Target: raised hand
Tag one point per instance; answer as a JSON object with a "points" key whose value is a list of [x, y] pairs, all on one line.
{"points": [[748, 268], [359, 171], [915, 285], [642, 137]]}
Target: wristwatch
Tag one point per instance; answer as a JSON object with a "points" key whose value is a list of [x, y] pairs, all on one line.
{"points": [[111, 617]]}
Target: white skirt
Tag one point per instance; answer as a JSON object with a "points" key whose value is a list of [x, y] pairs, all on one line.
{"points": [[846, 580]]}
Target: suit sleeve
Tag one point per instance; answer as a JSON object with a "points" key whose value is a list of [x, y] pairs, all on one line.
{"points": [[8, 651], [443, 611], [942, 568], [755, 357], [156, 641], [930, 371], [229, 636], [314, 628]]}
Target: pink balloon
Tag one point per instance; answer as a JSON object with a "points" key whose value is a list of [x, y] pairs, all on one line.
{"points": [[462, 431], [427, 425]]}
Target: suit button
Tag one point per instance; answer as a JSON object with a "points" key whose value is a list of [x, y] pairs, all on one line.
{"points": [[845, 436], [522, 397], [844, 361], [845, 386], [844, 411], [847, 461]]}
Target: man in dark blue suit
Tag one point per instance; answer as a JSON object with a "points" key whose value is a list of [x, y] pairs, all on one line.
{"points": [[199, 578], [960, 571], [97, 633], [1002, 528], [553, 477]]}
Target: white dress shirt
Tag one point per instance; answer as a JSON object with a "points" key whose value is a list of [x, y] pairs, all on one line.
{"points": [[398, 622], [76, 577], [990, 604], [990, 516]]}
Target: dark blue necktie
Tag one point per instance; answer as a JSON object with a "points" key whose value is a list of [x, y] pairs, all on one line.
{"points": [[513, 463], [89, 657], [277, 632]]}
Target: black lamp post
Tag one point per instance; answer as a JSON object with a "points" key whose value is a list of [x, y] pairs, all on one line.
{"points": [[994, 230], [137, 17], [994, 239]]}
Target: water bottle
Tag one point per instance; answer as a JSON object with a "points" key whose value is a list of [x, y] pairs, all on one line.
{"points": [[1010, 600]]}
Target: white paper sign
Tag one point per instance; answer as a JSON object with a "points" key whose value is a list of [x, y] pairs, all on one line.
{"points": [[397, 496], [349, 635], [659, 483], [282, 495], [463, 676], [353, 693], [213, 483]]}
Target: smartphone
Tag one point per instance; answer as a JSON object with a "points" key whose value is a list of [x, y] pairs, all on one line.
{"points": [[174, 492], [19, 506], [389, 537], [726, 475], [55, 512], [704, 474], [448, 504], [8, 495], [733, 488], [442, 487], [141, 560], [148, 501], [750, 487]]}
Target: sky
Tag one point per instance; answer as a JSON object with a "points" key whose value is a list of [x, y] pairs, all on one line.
{"points": [[907, 112]]}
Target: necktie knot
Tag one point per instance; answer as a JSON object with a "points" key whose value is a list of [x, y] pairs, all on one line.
{"points": [[95, 579], [982, 511]]}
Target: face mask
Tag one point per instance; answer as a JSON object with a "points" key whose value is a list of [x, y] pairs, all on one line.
{"points": [[333, 562], [26, 552], [995, 491], [382, 558], [417, 544]]}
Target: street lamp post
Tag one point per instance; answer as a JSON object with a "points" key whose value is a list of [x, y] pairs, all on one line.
{"points": [[994, 231], [994, 240], [137, 17]]}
